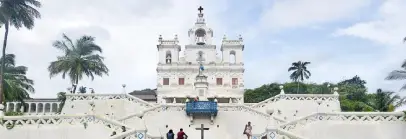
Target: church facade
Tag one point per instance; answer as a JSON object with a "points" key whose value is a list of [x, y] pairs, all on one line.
{"points": [[221, 75]]}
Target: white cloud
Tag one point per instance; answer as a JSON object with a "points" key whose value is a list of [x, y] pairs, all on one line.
{"points": [[127, 30], [388, 29], [300, 13]]}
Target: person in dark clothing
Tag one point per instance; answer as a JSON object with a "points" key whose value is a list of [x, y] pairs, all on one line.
{"points": [[181, 134], [170, 135]]}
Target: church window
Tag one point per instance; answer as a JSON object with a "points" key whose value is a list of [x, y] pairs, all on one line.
{"points": [[219, 81], [235, 81], [166, 81], [232, 57], [168, 57], [181, 81]]}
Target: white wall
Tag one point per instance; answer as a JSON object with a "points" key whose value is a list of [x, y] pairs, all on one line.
{"points": [[354, 130], [62, 131], [118, 107]]}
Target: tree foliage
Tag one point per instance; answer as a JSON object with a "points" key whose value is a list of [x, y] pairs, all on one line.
{"points": [[353, 94], [15, 13], [80, 58], [17, 86]]}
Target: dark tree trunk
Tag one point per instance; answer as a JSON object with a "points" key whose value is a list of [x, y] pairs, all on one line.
{"points": [[6, 25], [76, 84]]}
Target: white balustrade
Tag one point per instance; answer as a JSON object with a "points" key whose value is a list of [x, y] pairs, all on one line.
{"points": [[34, 108]]}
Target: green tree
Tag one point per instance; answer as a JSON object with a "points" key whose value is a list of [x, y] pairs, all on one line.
{"points": [[356, 80], [82, 89], [385, 101], [16, 85], [261, 93], [61, 96], [80, 58], [398, 75], [300, 72], [16, 13]]}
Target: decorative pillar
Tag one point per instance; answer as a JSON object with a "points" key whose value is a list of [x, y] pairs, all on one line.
{"points": [[174, 100], [282, 91], [191, 119], [22, 107], [335, 90], [15, 107], [43, 108], [51, 108], [29, 108], [7, 107], [211, 119], [230, 101], [1, 110], [36, 108]]}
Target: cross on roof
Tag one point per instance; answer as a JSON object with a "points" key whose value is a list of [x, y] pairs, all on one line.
{"points": [[200, 9], [202, 130]]}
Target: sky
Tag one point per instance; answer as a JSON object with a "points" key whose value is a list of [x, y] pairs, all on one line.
{"points": [[341, 38]]}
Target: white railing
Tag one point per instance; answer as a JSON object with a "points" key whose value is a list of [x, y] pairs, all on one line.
{"points": [[12, 121], [315, 97], [344, 116], [72, 97], [47, 107], [156, 108], [243, 108]]}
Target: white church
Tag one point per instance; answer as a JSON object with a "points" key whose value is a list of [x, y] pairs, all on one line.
{"points": [[222, 77], [218, 83]]}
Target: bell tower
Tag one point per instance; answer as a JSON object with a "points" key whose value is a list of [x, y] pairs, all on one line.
{"points": [[200, 34]]}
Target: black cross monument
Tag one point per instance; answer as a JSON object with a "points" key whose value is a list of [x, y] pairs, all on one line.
{"points": [[202, 130]]}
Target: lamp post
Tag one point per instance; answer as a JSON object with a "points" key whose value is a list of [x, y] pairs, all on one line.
{"points": [[123, 85]]}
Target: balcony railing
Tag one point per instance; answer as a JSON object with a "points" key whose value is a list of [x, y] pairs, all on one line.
{"points": [[201, 108]]}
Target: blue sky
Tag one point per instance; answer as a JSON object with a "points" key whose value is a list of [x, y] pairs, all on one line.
{"points": [[342, 38]]}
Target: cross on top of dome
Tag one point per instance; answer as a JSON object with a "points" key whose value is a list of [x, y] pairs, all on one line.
{"points": [[200, 9]]}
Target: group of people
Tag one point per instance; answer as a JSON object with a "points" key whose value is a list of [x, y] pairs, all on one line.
{"points": [[182, 135], [179, 135]]}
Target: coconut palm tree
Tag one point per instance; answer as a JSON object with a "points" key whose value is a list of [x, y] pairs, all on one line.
{"points": [[398, 75], [385, 101], [16, 85], [16, 13], [300, 72], [80, 58]]}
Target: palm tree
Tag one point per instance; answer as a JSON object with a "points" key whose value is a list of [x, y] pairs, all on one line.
{"points": [[80, 58], [16, 85], [398, 75], [61, 96], [17, 13], [300, 72], [385, 101], [82, 89]]}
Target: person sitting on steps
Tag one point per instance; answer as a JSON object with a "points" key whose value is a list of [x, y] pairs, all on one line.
{"points": [[181, 134], [170, 135]]}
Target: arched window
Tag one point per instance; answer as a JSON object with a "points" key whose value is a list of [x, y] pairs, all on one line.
{"points": [[200, 33], [232, 57], [168, 57]]}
